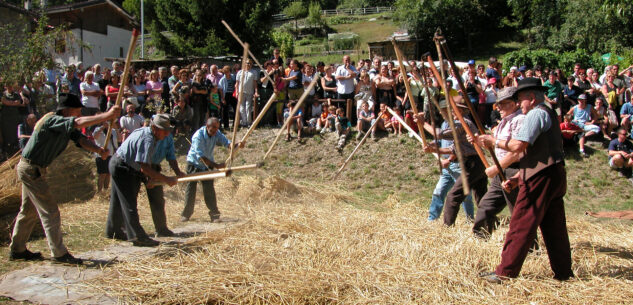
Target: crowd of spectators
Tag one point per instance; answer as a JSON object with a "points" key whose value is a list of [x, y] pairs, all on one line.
{"points": [[589, 103]]}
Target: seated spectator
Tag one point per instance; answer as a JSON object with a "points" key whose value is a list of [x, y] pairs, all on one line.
{"points": [[26, 129], [385, 120], [571, 133], [607, 119], [625, 115], [183, 114], [296, 121], [395, 124], [620, 153], [343, 127], [365, 118], [326, 121], [585, 117], [315, 113], [570, 94]]}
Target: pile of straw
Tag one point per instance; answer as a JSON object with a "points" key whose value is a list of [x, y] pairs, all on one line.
{"points": [[70, 177], [309, 244]]}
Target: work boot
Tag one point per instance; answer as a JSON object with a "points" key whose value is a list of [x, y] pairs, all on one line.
{"points": [[68, 259], [145, 242], [26, 255], [164, 233], [214, 216]]}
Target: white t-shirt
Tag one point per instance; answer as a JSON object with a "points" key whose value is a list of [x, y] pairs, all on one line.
{"points": [[131, 123], [344, 86], [249, 81], [89, 101], [308, 79], [491, 95]]}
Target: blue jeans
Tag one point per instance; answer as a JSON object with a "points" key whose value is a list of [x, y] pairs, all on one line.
{"points": [[447, 179]]}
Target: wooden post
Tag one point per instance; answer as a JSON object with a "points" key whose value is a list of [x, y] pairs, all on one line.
{"points": [[240, 100], [433, 101], [403, 72], [124, 78], [294, 111]]}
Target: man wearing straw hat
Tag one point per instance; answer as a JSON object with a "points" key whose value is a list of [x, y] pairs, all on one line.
{"points": [[495, 199], [128, 167], [474, 167], [542, 182], [49, 139], [200, 159]]}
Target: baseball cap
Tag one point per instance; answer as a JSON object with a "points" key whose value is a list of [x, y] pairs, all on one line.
{"points": [[471, 62]]}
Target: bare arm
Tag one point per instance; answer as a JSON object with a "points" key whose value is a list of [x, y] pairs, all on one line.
{"points": [[92, 147], [174, 166], [86, 121], [147, 170]]}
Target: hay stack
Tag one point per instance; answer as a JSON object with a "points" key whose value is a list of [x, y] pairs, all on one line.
{"points": [[71, 177]]}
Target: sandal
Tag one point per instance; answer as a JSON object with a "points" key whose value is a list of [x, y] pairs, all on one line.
{"points": [[288, 138]]}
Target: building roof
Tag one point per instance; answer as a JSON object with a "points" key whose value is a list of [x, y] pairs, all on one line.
{"points": [[80, 5], [16, 9]]}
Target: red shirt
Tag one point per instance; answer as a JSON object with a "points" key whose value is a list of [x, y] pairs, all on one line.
{"points": [[568, 126]]}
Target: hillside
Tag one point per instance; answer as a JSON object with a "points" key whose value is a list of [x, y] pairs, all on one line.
{"points": [[361, 238]]}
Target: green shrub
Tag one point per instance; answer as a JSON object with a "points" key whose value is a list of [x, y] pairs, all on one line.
{"points": [[334, 20], [346, 43], [550, 59]]}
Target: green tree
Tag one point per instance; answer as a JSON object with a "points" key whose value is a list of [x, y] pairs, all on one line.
{"points": [[22, 58], [193, 28], [285, 42], [295, 11], [314, 15]]}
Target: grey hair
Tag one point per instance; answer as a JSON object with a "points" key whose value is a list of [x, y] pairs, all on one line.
{"points": [[212, 120], [89, 73]]}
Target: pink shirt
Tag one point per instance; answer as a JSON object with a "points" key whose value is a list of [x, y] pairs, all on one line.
{"points": [[151, 85], [508, 128]]}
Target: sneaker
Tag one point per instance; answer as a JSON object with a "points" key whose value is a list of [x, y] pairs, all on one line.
{"points": [[373, 136], [145, 242], [26, 255], [184, 218], [583, 153], [323, 131], [339, 148], [165, 233], [411, 134], [68, 259], [359, 135]]}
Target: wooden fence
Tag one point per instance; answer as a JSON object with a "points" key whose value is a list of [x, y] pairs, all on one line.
{"points": [[344, 11]]}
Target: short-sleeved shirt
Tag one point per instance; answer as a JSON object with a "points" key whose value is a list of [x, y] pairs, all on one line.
{"points": [[508, 128], [344, 86], [50, 138], [295, 83], [250, 81], [138, 148], [553, 90], [89, 100], [164, 150], [202, 145], [536, 122], [568, 126], [627, 108], [151, 85], [625, 146], [131, 123]]}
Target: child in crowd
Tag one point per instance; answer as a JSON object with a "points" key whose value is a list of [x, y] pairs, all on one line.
{"points": [[384, 120], [322, 121], [183, 114], [215, 101], [343, 127], [571, 132], [395, 124], [295, 121], [328, 124], [365, 118], [315, 113], [280, 87]]}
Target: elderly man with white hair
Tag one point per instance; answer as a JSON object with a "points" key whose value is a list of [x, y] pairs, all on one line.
{"points": [[90, 93]]}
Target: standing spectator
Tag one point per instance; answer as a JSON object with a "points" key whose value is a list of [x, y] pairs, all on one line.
{"points": [[140, 90], [12, 102], [345, 75], [90, 93], [296, 121], [200, 159], [294, 80], [214, 76], [165, 95], [70, 80], [511, 78], [266, 90], [154, 87], [173, 79], [26, 129], [554, 90], [130, 122], [375, 68], [570, 94], [385, 88], [328, 83], [491, 71], [277, 56], [227, 84], [611, 91], [100, 134], [199, 100], [584, 84], [249, 88]]}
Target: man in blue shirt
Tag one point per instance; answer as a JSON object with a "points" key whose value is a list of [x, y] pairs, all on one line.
{"points": [[200, 159], [155, 195], [131, 163]]}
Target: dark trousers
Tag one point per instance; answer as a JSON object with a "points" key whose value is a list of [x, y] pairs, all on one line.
{"points": [[477, 181], [230, 101], [199, 113], [126, 183], [539, 204], [207, 190], [156, 198], [492, 203]]}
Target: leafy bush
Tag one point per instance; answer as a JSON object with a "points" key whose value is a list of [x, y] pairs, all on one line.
{"points": [[334, 20], [550, 59], [310, 39], [346, 43], [285, 42]]}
